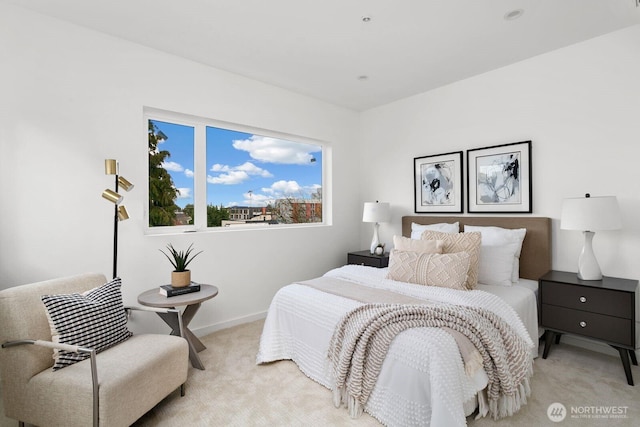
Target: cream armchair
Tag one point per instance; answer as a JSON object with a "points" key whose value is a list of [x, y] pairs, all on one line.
{"points": [[114, 387]]}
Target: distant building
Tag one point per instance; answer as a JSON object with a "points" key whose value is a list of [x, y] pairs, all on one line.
{"points": [[285, 211], [245, 213], [182, 218], [296, 211]]}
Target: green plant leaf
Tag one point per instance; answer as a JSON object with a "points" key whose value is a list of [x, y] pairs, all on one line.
{"points": [[180, 259]]}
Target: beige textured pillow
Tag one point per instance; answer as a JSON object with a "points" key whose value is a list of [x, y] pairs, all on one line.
{"points": [[461, 242], [423, 246], [444, 270]]}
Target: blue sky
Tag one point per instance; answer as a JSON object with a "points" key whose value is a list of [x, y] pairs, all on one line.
{"points": [[242, 169]]}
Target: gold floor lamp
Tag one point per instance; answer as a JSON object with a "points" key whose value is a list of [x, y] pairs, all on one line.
{"points": [[111, 167]]}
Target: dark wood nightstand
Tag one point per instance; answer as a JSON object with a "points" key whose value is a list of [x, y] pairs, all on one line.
{"points": [[366, 258], [603, 310]]}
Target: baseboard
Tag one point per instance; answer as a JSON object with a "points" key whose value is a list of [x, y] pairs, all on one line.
{"points": [[206, 330]]}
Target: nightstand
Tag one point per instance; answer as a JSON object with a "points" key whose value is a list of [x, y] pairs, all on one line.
{"points": [[603, 310], [366, 258]]}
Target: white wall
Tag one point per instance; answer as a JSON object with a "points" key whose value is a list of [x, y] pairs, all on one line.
{"points": [[579, 105], [71, 98]]}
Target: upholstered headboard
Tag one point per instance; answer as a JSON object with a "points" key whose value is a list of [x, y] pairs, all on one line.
{"points": [[535, 258]]}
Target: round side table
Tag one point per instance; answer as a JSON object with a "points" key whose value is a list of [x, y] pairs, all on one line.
{"points": [[192, 301]]}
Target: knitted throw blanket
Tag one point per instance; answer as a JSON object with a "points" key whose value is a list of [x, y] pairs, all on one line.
{"points": [[470, 356], [360, 342]]}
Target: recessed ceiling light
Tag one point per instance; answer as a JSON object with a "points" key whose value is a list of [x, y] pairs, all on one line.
{"points": [[366, 18], [363, 78], [514, 14]]}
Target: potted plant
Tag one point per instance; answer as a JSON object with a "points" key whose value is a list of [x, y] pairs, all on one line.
{"points": [[180, 276]]}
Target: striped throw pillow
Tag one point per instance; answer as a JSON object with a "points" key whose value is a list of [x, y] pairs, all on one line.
{"points": [[95, 319]]}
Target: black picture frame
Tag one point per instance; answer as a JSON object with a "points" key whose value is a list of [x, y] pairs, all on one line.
{"points": [[499, 179], [438, 183]]}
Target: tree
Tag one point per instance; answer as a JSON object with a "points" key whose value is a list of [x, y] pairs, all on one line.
{"points": [[215, 215], [188, 211], [162, 191]]}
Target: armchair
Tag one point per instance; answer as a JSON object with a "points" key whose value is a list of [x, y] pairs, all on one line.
{"points": [[113, 387]]}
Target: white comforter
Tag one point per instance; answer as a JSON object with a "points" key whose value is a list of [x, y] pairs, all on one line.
{"points": [[422, 381]]}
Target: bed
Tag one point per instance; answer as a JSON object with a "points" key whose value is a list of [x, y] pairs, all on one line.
{"points": [[422, 380]]}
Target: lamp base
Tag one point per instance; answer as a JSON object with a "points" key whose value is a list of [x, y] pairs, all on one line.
{"points": [[588, 268], [375, 241]]}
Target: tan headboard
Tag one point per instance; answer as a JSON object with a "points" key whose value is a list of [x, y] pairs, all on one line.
{"points": [[535, 258]]}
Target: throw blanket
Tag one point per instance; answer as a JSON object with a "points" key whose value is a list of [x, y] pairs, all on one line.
{"points": [[336, 286], [360, 342]]}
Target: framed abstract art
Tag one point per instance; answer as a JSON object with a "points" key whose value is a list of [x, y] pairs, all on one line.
{"points": [[499, 179], [438, 183]]}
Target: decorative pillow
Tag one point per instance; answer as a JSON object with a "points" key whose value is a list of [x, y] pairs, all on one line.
{"points": [[495, 236], [423, 246], [95, 319], [461, 242], [496, 264], [444, 227], [444, 270]]}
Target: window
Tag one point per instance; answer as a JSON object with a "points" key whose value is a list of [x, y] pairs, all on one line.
{"points": [[206, 174]]}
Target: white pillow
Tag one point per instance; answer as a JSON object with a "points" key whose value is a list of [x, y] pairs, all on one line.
{"points": [[495, 236], [443, 227], [496, 264]]}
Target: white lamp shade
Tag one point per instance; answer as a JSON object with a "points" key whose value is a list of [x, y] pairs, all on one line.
{"points": [[376, 212], [590, 214]]}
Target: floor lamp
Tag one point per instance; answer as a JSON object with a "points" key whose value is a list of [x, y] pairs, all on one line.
{"points": [[111, 167]]}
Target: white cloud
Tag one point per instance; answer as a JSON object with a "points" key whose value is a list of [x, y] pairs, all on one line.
{"points": [[233, 177], [184, 193], [252, 169], [274, 150], [289, 188], [188, 173], [257, 199], [172, 166], [220, 168], [236, 174], [278, 190]]}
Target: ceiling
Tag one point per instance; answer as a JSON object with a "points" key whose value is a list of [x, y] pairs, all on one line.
{"points": [[326, 50]]}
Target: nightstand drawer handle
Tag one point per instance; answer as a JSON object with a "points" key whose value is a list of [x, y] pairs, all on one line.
{"points": [[583, 324], [583, 299]]}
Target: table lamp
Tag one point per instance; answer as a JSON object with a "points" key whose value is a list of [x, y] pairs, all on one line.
{"points": [[376, 212], [589, 214]]}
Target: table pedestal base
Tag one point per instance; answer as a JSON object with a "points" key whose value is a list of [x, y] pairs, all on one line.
{"points": [[195, 345]]}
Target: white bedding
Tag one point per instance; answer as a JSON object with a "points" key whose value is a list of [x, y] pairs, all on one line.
{"points": [[522, 296], [301, 320]]}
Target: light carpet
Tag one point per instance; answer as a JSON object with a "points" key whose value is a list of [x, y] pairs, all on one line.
{"points": [[234, 391]]}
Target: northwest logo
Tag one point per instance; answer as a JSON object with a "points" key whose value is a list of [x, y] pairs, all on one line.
{"points": [[556, 412]]}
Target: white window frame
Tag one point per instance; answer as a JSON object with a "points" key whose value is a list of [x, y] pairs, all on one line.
{"points": [[200, 172]]}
